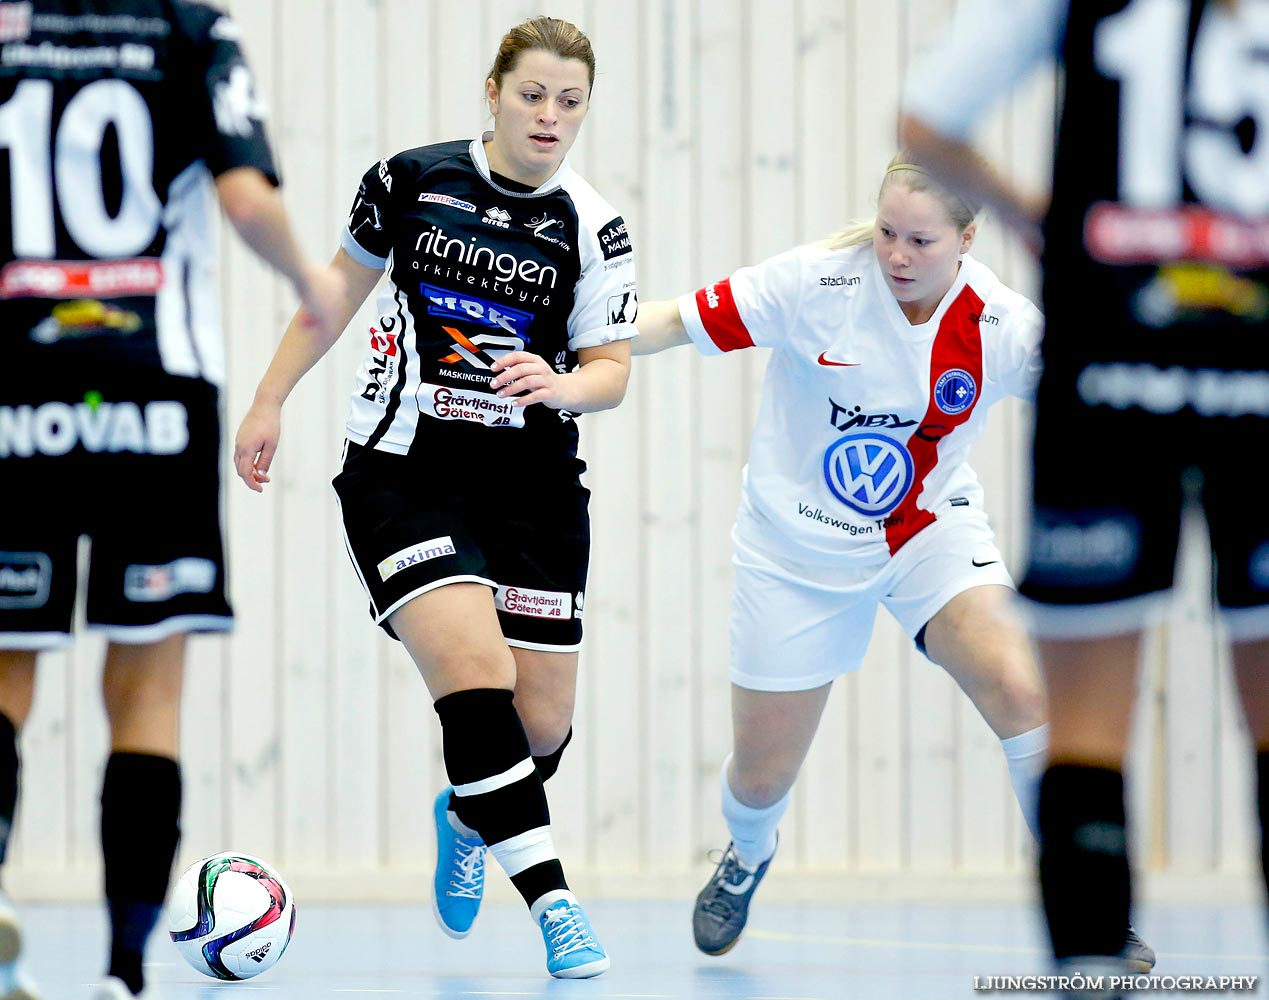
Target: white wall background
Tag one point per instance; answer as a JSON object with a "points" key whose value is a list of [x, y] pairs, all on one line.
{"points": [[725, 131]]}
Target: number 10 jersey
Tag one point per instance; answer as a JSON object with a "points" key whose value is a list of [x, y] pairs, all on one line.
{"points": [[112, 126]]}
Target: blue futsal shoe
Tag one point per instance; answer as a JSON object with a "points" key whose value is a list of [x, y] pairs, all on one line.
{"points": [[572, 952], [459, 882], [722, 907]]}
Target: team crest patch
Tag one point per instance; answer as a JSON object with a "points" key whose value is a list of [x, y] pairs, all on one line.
{"points": [[955, 391]]}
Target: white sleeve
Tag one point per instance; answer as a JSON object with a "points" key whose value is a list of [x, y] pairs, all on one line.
{"points": [[756, 307], [994, 44], [605, 300], [1018, 356]]}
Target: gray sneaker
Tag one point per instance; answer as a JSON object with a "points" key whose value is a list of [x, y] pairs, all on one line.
{"points": [[722, 908], [1139, 955]]}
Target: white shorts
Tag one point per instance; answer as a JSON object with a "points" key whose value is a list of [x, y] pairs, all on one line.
{"points": [[797, 627]]}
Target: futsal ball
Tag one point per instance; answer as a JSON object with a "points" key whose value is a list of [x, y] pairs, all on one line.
{"points": [[231, 916]]}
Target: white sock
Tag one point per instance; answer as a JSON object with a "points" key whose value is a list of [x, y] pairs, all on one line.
{"points": [[753, 831], [547, 898], [1027, 754]]}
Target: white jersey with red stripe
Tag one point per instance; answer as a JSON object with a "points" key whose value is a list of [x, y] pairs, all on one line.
{"points": [[866, 421]]}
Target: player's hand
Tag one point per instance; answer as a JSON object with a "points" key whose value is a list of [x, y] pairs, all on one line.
{"points": [[521, 372], [256, 443], [322, 292]]}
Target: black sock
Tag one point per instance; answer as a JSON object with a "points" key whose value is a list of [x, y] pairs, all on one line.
{"points": [[1262, 771], [497, 787], [547, 765], [1084, 873], [10, 765], [140, 818]]}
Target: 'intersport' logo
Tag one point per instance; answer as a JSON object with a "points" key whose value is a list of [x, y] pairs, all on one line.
{"points": [[158, 428], [433, 548], [869, 473]]}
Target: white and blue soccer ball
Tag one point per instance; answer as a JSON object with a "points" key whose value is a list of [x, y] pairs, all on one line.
{"points": [[231, 916]]}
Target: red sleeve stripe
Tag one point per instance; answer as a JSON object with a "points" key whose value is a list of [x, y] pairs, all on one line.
{"points": [[720, 317]]}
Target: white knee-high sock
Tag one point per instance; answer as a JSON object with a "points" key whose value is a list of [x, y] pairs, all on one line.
{"points": [[1027, 754], [753, 831]]}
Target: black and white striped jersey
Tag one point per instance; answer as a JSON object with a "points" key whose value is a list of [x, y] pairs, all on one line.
{"points": [[476, 270], [114, 119]]}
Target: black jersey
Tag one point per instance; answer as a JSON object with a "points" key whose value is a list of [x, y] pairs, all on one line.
{"points": [[476, 270], [1158, 232], [1160, 212], [114, 119]]}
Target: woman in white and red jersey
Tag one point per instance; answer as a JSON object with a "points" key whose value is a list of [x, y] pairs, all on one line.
{"points": [[889, 344]]}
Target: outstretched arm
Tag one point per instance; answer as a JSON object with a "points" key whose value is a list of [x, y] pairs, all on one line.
{"points": [[960, 167], [255, 210], [303, 344], [660, 326]]}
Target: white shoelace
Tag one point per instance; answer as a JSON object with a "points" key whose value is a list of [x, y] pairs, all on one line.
{"points": [[470, 870], [568, 931]]}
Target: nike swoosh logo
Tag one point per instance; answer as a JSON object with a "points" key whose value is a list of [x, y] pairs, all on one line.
{"points": [[980, 565], [823, 359], [738, 890]]}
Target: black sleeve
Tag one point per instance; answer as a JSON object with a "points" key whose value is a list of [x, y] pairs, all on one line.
{"points": [[372, 220], [225, 114]]}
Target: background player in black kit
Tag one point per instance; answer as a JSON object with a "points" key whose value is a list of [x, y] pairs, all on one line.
{"points": [[1156, 383], [121, 123], [510, 283]]}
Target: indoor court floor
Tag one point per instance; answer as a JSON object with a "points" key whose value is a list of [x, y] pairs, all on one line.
{"points": [[791, 951]]}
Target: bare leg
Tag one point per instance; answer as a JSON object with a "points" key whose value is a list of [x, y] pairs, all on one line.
{"points": [[977, 639]]}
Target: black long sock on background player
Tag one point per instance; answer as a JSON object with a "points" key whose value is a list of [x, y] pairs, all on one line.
{"points": [[1262, 782], [10, 765], [1084, 873], [498, 786], [140, 818]]}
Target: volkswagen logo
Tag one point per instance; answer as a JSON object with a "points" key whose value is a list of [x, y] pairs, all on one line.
{"points": [[869, 473]]}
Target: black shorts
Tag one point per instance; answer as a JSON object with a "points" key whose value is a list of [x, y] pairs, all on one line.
{"points": [[1111, 481], [132, 464], [410, 529]]}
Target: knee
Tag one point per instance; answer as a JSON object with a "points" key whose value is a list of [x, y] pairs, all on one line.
{"points": [[460, 669], [1021, 693], [1011, 697], [547, 728], [759, 787]]}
